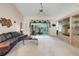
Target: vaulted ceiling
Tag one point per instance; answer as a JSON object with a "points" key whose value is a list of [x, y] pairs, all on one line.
{"points": [[56, 10]]}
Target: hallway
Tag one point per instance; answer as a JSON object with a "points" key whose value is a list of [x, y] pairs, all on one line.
{"points": [[45, 46]]}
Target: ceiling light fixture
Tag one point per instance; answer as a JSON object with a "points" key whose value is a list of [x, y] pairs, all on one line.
{"points": [[41, 10]]}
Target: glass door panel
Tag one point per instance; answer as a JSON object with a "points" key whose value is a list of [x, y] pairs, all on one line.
{"points": [[39, 28]]}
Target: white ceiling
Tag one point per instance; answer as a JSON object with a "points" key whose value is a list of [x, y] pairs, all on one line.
{"points": [[56, 10]]}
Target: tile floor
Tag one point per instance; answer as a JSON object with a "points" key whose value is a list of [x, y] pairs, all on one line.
{"points": [[44, 46]]}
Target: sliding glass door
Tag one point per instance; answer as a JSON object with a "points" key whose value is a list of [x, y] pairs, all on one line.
{"points": [[39, 28]]}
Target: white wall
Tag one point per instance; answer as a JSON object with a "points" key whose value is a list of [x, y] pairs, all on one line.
{"points": [[52, 30], [9, 11], [26, 23]]}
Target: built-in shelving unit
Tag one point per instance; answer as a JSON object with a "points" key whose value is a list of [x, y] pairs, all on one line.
{"points": [[70, 29], [65, 32], [75, 30], [75, 25], [65, 27]]}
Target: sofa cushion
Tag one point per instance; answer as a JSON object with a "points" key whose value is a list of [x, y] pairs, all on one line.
{"points": [[10, 41], [2, 38], [8, 36], [15, 34]]}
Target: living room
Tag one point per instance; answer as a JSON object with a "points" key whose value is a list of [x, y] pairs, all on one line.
{"points": [[39, 29]]}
